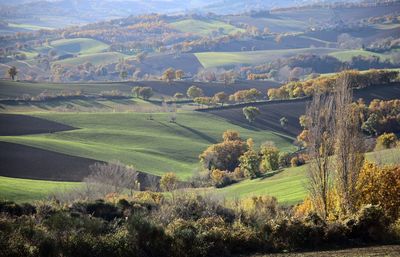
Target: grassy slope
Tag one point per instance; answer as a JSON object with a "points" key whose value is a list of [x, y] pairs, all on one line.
{"points": [[95, 59], [79, 46], [17, 89], [216, 59], [346, 55], [27, 190], [289, 185], [155, 146], [203, 28]]}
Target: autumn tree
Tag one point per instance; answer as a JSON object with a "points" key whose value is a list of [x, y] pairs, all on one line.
{"points": [[221, 97], [386, 141], [251, 112], [269, 157], [168, 182], [169, 75], [224, 155], [250, 161], [194, 92], [380, 186], [179, 74], [12, 72]]}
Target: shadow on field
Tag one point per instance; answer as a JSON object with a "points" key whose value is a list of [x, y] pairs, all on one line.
{"points": [[198, 133]]}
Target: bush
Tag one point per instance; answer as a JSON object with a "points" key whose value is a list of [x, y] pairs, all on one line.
{"points": [[371, 225], [386, 141], [297, 161], [98, 209]]}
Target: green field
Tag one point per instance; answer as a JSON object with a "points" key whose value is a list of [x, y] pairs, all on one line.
{"points": [[218, 59], [27, 190], [95, 59], [204, 28], [12, 89], [78, 46], [27, 26], [346, 56], [155, 146]]}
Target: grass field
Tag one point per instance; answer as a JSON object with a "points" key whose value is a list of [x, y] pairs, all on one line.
{"points": [[95, 59], [78, 46], [27, 26], [346, 56], [155, 146], [218, 59], [204, 28], [27, 190]]}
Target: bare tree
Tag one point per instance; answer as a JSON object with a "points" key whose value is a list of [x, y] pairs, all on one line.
{"points": [[320, 148], [349, 145], [112, 177]]}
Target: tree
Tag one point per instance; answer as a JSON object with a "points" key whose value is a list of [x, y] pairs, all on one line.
{"points": [[224, 155], [12, 72], [112, 177], [194, 92], [169, 75], [221, 98], [269, 157], [179, 74], [168, 182], [349, 146], [250, 112], [320, 146], [135, 91], [284, 121], [380, 186], [386, 141], [146, 92], [250, 162]]}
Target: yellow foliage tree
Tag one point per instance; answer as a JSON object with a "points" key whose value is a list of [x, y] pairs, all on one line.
{"points": [[380, 186]]}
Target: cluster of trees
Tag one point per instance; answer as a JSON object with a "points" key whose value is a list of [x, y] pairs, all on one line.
{"points": [[234, 159], [170, 74], [300, 66], [340, 180], [325, 84], [241, 96], [142, 92], [378, 118]]}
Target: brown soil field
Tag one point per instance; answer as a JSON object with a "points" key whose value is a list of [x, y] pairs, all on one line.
{"points": [[292, 109], [387, 251], [15, 125], [19, 161]]}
